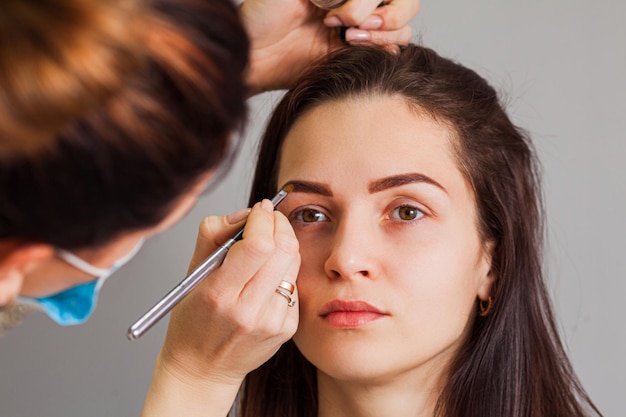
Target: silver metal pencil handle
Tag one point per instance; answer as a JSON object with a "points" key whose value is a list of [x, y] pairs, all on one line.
{"points": [[214, 260], [172, 298]]}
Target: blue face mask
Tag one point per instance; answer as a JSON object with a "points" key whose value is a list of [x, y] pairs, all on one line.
{"points": [[76, 304]]}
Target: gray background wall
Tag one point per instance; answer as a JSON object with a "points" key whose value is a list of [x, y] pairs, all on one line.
{"points": [[562, 64]]}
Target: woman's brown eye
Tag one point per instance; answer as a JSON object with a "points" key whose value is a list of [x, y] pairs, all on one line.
{"points": [[309, 216], [408, 213]]}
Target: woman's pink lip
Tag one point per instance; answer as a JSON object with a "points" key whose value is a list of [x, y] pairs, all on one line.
{"points": [[349, 314], [347, 306]]}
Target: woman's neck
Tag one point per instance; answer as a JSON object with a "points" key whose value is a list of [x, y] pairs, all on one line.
{"points": [[409, 395]]}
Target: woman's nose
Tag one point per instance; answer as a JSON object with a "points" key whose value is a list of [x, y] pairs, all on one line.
{"points": [[352, 252]]}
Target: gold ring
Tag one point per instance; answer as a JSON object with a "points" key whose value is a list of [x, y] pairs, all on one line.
{"points": [[287, 286], [290, 301]]}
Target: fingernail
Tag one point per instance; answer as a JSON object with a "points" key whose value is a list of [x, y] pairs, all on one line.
{"points": [[373, 22], [238, 216], [333, 22], [357, 35], [267, 205]]}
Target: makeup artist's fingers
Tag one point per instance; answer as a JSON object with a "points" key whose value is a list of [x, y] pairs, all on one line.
{"points": [[294, 34], [234, 321], [278, 312], [283, 34], [397, 14], [268, 254], [268, 311], [247, 256], [387, 25], [283, 264], [366, 14], [260, 294], [213, 231], [392, 38], [351, 13]]}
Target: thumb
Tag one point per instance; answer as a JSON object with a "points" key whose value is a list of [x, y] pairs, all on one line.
{"points": [[214, 231]]}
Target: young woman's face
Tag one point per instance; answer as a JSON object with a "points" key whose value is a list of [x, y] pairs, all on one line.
{"points": [[392, 261]]}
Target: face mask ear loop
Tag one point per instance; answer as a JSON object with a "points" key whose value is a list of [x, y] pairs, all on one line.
{"points": [[130, 255], [99, 273], [78, 263]]}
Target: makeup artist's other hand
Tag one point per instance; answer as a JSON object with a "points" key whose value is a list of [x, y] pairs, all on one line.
{"points": [[288, 35], [233, 321], [386, 25]]}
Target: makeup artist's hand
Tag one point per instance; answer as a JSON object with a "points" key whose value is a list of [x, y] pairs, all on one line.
{"points": [[233, 321], [289, 35]]}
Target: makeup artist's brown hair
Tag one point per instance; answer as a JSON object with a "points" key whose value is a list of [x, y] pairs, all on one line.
{"points": [[111, 111], [513, 363], [59, 57]]}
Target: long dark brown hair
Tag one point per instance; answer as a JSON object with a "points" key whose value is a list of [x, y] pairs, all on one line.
{"points": [[513, 363], [113, 112]]}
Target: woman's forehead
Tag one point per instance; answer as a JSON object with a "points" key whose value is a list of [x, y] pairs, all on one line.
{"points": [[367, 138], [378, 130]]}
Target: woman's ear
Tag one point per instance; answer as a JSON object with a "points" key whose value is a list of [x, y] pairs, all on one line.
{"points": [[16, 261], [487, 275]]}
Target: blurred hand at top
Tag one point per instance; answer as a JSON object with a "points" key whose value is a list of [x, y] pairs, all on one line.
{"points": [[289, 35]]}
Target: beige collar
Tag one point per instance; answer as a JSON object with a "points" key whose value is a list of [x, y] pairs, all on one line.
{"points": [[12, 315]]}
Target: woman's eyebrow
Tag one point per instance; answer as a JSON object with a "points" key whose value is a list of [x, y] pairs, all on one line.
{"points": [[309, 187], [402, 179]]}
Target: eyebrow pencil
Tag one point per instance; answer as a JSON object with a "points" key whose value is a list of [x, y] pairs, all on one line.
{"points": [[210, 264]]}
